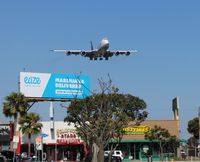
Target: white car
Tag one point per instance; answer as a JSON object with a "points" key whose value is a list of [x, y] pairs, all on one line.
{"points": [[117, 153]]}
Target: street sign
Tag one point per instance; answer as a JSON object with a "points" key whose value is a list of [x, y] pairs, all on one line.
{"points": [[38, 146], [15, 144], [16, 139], [38, 142], [43, 135]]}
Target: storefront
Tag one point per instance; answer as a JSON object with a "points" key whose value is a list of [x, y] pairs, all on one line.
{"points": [[58, 140], [134, 145]]}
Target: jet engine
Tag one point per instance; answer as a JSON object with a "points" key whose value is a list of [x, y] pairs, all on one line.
{"points": [[68, 53], [117, 53], [83, 53]]}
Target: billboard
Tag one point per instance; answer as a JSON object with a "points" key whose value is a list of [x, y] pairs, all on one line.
{"points": [[175, 108], [58, 86]]}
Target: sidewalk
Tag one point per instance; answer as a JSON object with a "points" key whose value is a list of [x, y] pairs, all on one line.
{"points": [[187, 160], [193, 160]]}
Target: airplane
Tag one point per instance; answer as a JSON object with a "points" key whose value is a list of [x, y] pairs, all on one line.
{"points": [[101, 51]]}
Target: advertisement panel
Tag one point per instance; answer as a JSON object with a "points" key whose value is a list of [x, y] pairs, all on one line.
{"points": [[58, 86]]}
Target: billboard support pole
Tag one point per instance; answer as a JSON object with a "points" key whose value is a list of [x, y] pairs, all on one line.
{"points": [[31, 105], [42, 149]]}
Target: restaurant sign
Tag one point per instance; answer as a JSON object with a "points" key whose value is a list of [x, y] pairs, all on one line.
{"points": [[136, 130], [67, 136]]}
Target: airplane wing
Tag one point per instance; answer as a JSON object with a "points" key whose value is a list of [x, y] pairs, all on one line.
{"points": [[68, 52], [92, 54], [120, 52]]}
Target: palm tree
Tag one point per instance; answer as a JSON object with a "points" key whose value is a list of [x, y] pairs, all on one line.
{"points": [[15, 104], [29, 125]]}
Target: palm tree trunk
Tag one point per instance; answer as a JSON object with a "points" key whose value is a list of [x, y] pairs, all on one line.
{"points": [[29, 145], [14, 131], [15, 124]]}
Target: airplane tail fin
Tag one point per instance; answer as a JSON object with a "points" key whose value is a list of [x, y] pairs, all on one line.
{"points": [[91, 45]]}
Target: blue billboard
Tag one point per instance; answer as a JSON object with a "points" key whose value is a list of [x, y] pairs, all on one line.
{"points": [[58, 86]]}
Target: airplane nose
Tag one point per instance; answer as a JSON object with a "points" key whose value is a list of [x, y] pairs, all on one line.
{"points": [[105, 43]]}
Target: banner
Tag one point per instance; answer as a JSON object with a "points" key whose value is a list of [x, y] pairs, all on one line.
{"points": [[58, 86]]}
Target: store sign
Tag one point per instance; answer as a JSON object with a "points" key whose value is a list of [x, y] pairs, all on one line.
{"points": [[136, 130], [67, 136], [59, 86]]}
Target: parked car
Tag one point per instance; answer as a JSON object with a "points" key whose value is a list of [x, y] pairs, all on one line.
{"points": [[106, 157], [113, 158], [183, 154], [9, 156], [33, 159], [116, 153], [3, 158]]}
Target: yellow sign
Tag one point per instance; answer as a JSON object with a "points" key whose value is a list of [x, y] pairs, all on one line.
{"points": [[136, 130]]}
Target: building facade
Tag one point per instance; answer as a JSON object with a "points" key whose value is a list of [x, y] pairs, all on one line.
{"points": [[57, 140], [60, 141], [136, 147]]}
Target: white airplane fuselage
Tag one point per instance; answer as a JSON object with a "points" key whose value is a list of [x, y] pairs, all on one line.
{"points": [[103, 47]]}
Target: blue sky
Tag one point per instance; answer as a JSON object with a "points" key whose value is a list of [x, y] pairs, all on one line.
{"points": [[166, 33]]}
